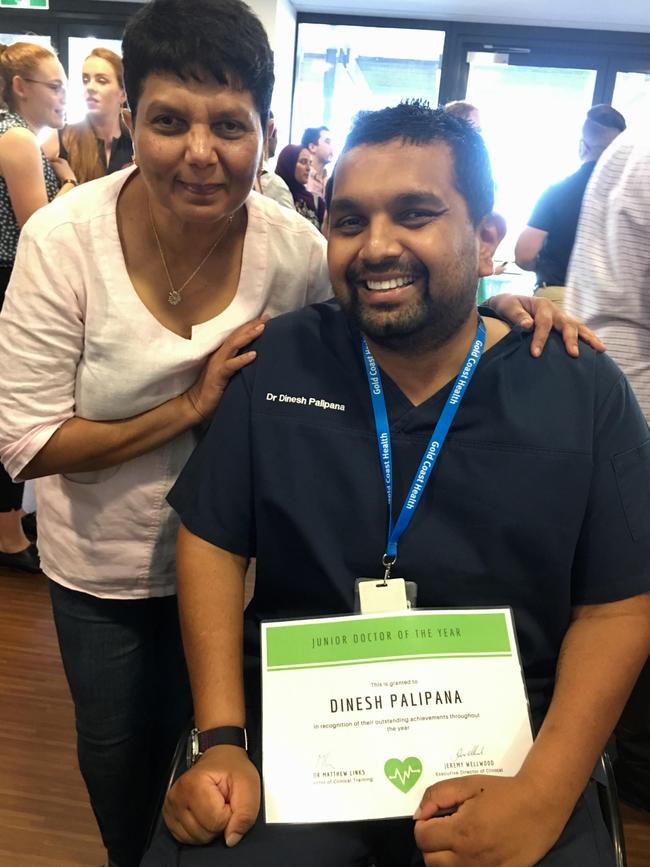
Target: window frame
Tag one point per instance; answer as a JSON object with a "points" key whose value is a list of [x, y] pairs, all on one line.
{"points": [[70, 18], [365, 21], [609, 51]]}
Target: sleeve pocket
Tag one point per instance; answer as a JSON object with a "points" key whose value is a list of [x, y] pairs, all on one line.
{"points": [[632, 471]]}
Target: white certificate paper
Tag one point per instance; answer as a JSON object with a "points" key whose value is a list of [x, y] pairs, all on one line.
{"points": [[362, 713]]}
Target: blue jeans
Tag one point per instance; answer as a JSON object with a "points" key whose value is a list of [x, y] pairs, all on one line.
{"points": [[125, 667]]}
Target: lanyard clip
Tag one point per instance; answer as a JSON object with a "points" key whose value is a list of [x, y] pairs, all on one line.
{"points": [[388, 562]]}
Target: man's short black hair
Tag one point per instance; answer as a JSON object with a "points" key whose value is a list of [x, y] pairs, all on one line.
{"points": [[606, 116], [414, 122], [312, 135], [221, 37]]}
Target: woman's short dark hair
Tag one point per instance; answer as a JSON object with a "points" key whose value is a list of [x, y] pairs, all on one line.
{"points": [[415, 122], [222, 37]]}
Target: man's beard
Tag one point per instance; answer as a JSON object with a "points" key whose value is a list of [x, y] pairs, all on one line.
{"points": [[426, 323]]}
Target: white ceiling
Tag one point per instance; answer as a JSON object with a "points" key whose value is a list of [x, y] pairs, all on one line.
{"points": [[633, 15]]}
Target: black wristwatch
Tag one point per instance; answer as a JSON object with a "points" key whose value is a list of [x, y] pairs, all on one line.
{"points": [[198, 742]]}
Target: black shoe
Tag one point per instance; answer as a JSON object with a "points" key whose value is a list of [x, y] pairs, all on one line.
{"points": [[26, 560], [29, 526]]}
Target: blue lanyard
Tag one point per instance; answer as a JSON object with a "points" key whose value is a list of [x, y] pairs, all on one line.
{"points": [[419, 483]]}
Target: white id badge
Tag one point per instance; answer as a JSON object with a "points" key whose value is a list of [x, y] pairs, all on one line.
{"points": [[376, 596]]}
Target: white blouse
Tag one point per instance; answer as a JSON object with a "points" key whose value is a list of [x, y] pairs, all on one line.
{"points": [[75, 339]]}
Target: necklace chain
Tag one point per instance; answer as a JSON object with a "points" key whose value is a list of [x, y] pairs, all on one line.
{"points": [[176, 295]]}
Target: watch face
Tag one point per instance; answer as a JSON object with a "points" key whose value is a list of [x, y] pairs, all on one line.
{"points": [[192, 752]]}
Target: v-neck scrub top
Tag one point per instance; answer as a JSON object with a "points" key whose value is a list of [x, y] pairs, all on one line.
{"points": [[75, 339], [537, 501]]}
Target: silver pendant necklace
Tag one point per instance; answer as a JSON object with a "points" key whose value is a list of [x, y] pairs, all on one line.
{"points": [[176, 295]]}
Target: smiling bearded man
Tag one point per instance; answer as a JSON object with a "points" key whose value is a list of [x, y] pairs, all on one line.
{"points": [[405, 261], [535, 503], [408, 294]]}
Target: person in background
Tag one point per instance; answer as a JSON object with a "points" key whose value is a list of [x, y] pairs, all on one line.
{"points": [[101, 142], [33, 91], [318, 142], [545, 244], [470, 113], [268, 183], [607, 285], [271, 138], [293, 167], [466, 111]]}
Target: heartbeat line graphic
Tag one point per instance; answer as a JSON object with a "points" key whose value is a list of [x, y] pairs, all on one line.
{"points": [[403, 776]]}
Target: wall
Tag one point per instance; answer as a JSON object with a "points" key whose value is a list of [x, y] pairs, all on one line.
{"points": [[279, 20]]}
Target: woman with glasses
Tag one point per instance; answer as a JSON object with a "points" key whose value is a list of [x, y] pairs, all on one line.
{"points": [[101, 143], [33, 90], [293, 167]]}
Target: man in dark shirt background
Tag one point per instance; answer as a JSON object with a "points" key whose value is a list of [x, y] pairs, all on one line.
{"points": [[546, 243]]}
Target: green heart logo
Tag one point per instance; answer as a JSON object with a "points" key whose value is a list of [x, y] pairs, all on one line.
{"points": [[404, 774]]}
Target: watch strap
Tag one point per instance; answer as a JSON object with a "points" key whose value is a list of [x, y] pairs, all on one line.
{"points": [[231, 735], [200, 741]]}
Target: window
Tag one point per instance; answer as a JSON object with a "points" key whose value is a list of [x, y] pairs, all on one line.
{"points": [[632, 96], [531, 117], [343, 69], [10, 38]]}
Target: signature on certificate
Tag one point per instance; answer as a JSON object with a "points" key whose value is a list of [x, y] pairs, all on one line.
{"points": [[471, 751], [323, 762]]}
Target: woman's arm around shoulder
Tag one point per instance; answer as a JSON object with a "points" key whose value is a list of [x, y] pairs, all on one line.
{"points": [[544, 316]]}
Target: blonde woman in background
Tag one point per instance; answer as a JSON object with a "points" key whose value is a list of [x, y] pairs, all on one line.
{"points": [[33, 89], [99, 144]]}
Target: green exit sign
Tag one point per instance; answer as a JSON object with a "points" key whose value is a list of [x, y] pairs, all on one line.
{"points": [[26, 4]]}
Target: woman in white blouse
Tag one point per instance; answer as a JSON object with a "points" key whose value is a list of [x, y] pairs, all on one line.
{"points": [[122, 324], [121, 328]]}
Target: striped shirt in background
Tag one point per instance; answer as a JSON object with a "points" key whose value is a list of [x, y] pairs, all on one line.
{"points": [[608, 283]]}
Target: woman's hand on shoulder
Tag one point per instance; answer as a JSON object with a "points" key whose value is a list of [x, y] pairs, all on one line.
{"points": [[205, 394], [542, 315]]}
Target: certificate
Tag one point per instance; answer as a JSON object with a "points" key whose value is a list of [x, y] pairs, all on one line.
{"points": [[362, 713]]}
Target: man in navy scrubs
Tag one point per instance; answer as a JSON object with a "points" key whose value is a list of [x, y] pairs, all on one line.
{"points": [[538, 501]]}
